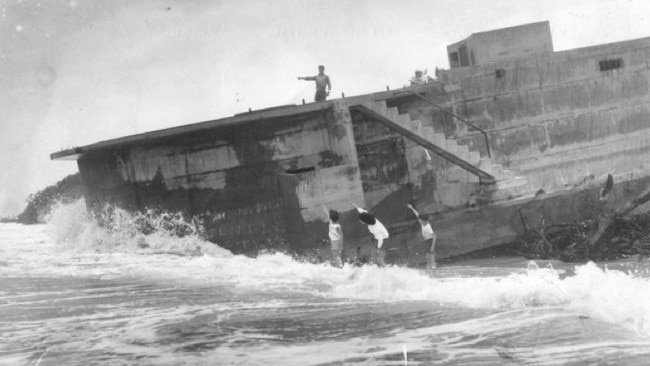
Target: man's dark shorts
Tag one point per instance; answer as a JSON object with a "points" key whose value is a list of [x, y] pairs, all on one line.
{"points": [[320, 96]]}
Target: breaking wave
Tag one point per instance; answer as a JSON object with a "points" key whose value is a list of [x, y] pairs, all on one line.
{"points": [[149, 232], [620, 296], [610, 295]]}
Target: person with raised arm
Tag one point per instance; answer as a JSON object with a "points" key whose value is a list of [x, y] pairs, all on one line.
{"points": [[336, 236], [428, 235], [379, 233], [322, 82]]}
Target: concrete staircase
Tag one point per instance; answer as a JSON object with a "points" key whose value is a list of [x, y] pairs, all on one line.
{"points": [[505, 184]]}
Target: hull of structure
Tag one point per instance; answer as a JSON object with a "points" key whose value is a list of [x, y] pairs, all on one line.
{"points": [[556, 125]]}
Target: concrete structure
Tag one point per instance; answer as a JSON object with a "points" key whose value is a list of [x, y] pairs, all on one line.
{"points": [[501, 44], [534, 132]]}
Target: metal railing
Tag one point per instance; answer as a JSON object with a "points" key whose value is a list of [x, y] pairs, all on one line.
{"points": [[485, 135]]}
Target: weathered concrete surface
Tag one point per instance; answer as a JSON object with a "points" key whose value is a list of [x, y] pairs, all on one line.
{"points": [[236, 178], [494, 225], [383, 168], [103, 182], [560, 109], [556, 119], [505, 43], [336, 187]]}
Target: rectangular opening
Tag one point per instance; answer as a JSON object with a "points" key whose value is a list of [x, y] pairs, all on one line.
{"points": [[462, 52], [300, 170], [606, 65], [453, 59]]}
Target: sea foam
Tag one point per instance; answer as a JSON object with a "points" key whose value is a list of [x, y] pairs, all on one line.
{"points": [[610, 295]]}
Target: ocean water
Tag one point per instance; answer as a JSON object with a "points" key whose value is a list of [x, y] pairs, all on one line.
{"points": [[72, 293]]}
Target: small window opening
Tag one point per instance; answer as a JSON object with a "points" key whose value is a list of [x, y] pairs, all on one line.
{"points": [[463, 55], [606, 65], [499, 73], [301, 170], [453, 60]]}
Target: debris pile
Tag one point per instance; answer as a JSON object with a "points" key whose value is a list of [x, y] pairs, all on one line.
{"points": [[608, 234]]}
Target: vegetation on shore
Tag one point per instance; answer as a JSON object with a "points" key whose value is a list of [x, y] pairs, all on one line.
{"points": [[40, 204]]}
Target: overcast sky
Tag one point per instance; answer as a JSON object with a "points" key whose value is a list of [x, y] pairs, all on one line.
{"points": [[73, 72]]}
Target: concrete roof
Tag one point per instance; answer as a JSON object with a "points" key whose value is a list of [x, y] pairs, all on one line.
{"points": [[264, 114], [252, 116]]}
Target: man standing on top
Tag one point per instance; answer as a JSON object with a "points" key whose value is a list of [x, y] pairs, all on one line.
{"points": [[322, 81]]}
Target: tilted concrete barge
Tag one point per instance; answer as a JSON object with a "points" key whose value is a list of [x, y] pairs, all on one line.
{"points": [[512, 127]]}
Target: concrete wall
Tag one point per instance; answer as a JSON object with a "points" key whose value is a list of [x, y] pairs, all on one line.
{"points": [[437, 185], [560, 113], [395, 171], [253, 185], [556, 119], [501, 44]]}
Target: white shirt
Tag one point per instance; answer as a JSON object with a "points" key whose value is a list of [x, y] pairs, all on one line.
{"points": [[378, 230], [335, 231], [427, 232]]}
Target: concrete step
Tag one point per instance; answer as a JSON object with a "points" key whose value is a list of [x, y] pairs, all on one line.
{"points": [[474, 157], [440, 140], [404, 120], [427, 133], [416, 126]]}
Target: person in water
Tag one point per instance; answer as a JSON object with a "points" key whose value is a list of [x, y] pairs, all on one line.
{"points": [[379, 233], [322, 83], [336, 236], [428, 235]]}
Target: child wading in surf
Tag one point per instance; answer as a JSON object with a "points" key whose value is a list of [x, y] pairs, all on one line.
{"points": [[336, 237], [378, 232], [428, 235]]}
